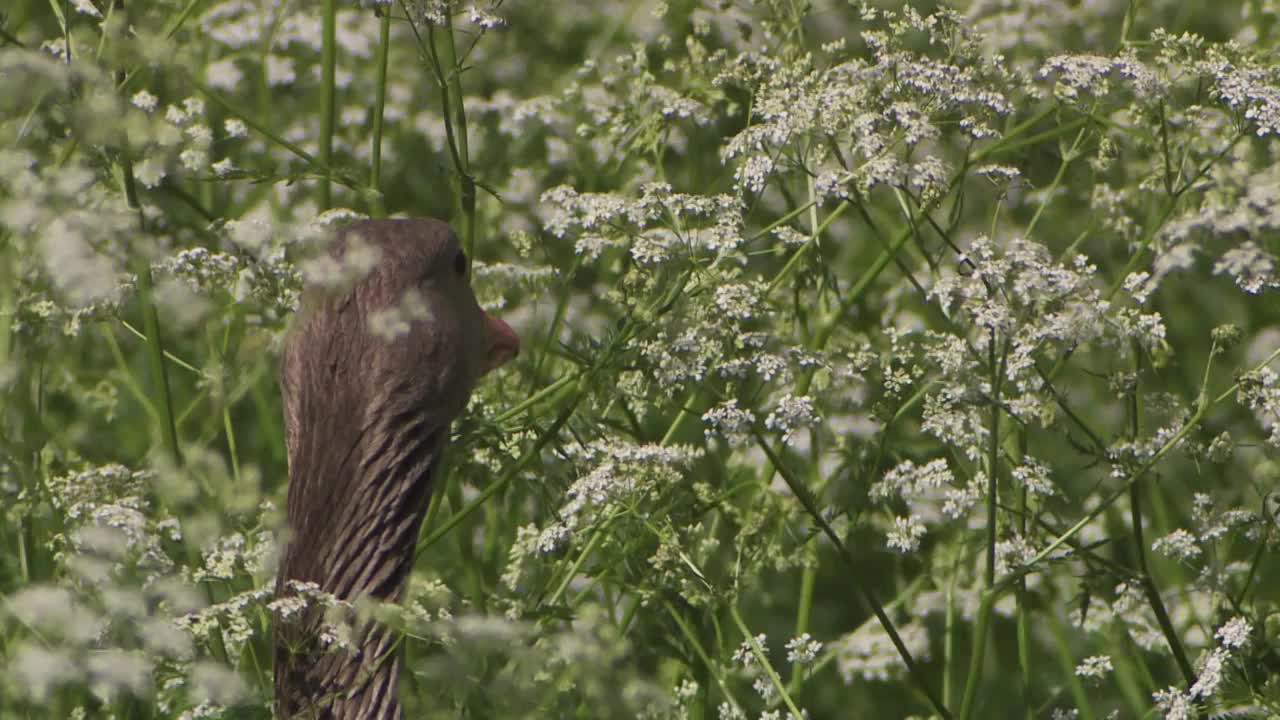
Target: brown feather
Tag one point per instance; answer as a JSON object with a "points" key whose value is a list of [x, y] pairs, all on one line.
{"points": [[366, 421]]}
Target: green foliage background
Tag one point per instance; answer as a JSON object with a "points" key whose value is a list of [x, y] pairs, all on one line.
{"points": [[766, 262]]}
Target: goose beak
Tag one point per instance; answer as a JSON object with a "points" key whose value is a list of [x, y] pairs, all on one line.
{"points": [[502, 344]]}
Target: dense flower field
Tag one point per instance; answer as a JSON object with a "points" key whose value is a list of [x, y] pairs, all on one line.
{"points": [[879, 359]]}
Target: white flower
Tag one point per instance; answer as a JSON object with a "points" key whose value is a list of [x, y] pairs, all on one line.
{"points": [[55, 611], [37, 670], [392, 322], [870, 654], [790, 415], [223, 75], [1178, 544], [235, 127], [150, 171], [746, 656], [1252, 268], [280, 71], [1211, 674], [729, 421], [1034, 476], [1094, 667], [193, 160], [803, 650], [113, 671], [217, 683], [144, 100], [1234, 633], [483, 19], [738, 300], [200, 135], [1175, 704], [1139, 285], [905, 534]]}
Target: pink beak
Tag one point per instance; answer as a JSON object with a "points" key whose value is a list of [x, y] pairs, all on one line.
{"points": [[502, 343]]}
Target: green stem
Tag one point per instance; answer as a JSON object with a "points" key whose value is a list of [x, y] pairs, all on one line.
{"points": [[449, 77], [537, 397], [1024, 612], [701, 652], [990, 596], [1067, 664], [1067, 159], [805, 497], [948, 646], [328, 95], [379, 107], [525, 460], [808, 578], [151, 322], [993, 460], [126, 374], [978, 653], [763, 660], [168, 355], [1148, 582], [596, 537]]}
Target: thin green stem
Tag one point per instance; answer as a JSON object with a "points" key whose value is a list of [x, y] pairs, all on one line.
{"points": [[379, 107], [794, 261], [168, 355], [538, 397], [990, 596], [1023, 610], [1067, 665], [1149, 587], [321, 169], [993, 458], [151, 322], [597, 536], [805, 497], [1067, 158], [701, 652], [763, 660], [448, 74], [126, 374], [948, 643], [496, 486], [328, 95], [804, 608], [977, 653], [182, 18], [228, 428]]}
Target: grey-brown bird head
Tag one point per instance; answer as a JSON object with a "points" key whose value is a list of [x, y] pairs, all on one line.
{"points": [[375, 370]]}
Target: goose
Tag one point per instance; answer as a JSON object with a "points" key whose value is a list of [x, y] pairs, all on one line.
{"points": [[367, 416]]}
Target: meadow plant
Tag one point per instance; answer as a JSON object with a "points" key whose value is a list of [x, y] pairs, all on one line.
{"points": [[879, 359]]}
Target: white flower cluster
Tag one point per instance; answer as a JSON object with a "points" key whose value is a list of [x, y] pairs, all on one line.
{"points": [[729, 421], [931, 496], [619, 473], [1211, 671], [599, 221], [1095, 667], [1015, 293], [1260, 392], [1179, 544], [803, 650], [870, 654], [790, 415]]}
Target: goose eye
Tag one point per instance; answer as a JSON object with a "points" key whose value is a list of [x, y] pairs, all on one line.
{"points": [[460, 264]]}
